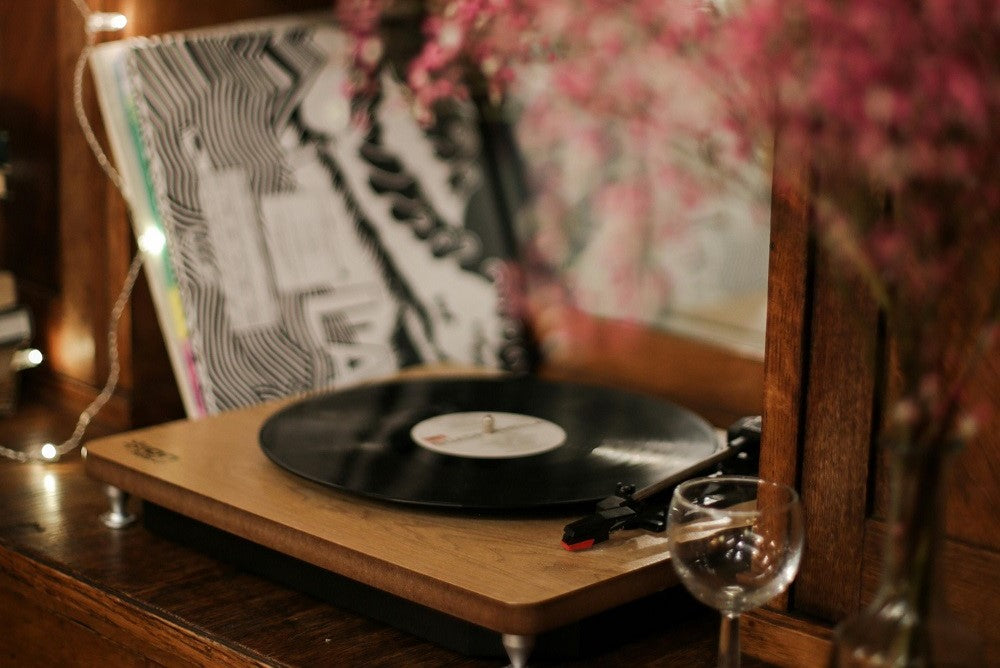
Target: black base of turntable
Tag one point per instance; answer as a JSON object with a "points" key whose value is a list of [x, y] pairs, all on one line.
{"points": [[583, 639]]}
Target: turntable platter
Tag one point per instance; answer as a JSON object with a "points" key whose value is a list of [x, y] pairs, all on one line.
{"points": [[485, 443]]}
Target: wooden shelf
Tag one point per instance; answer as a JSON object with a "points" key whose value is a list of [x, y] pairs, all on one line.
{"points": [[126, 597]]}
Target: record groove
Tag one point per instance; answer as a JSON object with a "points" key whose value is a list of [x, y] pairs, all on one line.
{"points": [[358, 440]]}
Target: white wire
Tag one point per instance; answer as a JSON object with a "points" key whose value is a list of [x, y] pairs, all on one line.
{"points": [[124, 294], [81, 114]]}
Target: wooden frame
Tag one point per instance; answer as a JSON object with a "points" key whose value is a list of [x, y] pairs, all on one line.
{"points": [[827, 376]]}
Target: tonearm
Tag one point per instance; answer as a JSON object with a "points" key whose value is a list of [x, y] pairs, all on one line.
{"points": [[645, 509]]}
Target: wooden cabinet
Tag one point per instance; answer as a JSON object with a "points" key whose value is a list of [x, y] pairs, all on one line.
{"points": [[826, 379]]}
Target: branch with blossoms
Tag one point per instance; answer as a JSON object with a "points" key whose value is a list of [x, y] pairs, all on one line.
{"points": [[620, 149], [894, 101]]}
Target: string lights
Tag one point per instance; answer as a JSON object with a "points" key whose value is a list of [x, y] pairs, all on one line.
{"points": [[26, 359], [103, 21], [94, 23]]}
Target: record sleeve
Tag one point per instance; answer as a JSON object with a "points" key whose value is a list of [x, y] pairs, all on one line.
{"points": [[287, 248]]}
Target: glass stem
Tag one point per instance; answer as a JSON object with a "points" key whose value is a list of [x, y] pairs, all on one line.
{"points": [[729, 641]]}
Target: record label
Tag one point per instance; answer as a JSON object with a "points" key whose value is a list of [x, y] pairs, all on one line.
{"points": [[488, 435]]}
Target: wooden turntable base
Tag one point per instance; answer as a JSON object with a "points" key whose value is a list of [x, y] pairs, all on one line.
{"points": [[506, 574]]}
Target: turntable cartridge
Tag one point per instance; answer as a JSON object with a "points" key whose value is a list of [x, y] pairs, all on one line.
{"points": [[646, 509]]}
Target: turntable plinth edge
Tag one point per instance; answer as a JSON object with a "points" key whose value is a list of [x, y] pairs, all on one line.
{"points": [[509, 575]]}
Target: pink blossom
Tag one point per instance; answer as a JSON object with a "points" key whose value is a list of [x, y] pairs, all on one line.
{"points": [[895, 101]]}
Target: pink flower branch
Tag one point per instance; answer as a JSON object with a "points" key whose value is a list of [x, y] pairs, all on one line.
{"points": [[894, 100]]}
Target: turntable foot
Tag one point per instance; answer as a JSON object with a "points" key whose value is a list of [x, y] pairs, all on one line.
{"points": [[518, 648], [118, 517]]}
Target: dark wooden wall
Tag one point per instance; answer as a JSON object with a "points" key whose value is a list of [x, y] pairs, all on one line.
{"points": [[29, 233]]}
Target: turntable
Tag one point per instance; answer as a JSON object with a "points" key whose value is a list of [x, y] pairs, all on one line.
{"points": [[435, 504]]}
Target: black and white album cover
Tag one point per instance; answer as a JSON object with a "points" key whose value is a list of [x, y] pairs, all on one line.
{"points": [[287, 247]]}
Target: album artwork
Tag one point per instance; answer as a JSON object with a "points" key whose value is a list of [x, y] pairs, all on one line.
{"points": [[287, 247]]}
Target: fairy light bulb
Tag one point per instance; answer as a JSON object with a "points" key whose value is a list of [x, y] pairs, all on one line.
{"points": [[26, 359], [93, 23], [152, 241], [106, 22]]}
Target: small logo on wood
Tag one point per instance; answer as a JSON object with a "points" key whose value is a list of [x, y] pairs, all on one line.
{"points": [[150, 452]]}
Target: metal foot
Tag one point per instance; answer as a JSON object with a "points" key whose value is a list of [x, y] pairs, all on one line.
{"points": [[118, 517], [518, 648]]}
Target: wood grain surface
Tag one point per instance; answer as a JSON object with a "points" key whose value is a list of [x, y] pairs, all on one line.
{"points": [[968, 589], [785, 639], [789, 288], [838, 440]]}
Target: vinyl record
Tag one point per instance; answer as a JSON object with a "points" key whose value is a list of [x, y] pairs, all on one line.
{"points": [[497, 443]]}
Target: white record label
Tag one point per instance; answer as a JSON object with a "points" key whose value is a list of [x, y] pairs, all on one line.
{"points": [[486, 435]]}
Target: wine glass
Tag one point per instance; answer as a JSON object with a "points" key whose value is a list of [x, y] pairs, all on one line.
{"points": [[736, 543]]}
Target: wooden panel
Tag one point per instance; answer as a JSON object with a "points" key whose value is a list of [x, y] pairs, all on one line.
{"points": [[28, 104], [784, 640], [969, 583], [785, 355], [116, 622], [823, 393], [974, 491], [29, 231], [29, 630], [974, 496], [789, 285], [841, 388], [838, 437]]}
